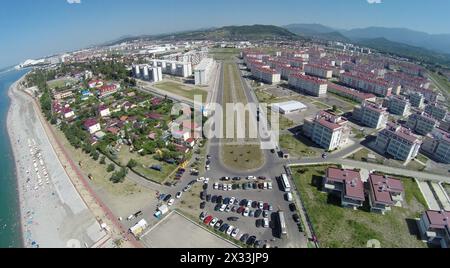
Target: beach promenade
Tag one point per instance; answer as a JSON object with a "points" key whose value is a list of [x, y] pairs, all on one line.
{"points": [[58, 209]]}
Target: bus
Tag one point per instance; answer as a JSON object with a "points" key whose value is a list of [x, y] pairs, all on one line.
{"points": [[282, 224], [285, 183]]}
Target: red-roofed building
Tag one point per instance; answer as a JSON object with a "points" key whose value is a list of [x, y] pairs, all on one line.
{"points": [[308, 84], [434, 226], [371, 114], [347, 184], [351, 93], [92, 125], [107, 90], [384, 192], [327, 130], [367, 83], [319, 70], [266, 75]]}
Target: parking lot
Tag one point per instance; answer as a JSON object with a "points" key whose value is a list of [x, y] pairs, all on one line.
{"points": [[175, 231], [243, 206]]}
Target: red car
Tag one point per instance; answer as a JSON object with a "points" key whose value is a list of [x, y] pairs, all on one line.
{"points": [[266, 206], [240, 210], [208, 220]]}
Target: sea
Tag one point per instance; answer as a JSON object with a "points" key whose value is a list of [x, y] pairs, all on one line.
{"points": [[10, 230]]}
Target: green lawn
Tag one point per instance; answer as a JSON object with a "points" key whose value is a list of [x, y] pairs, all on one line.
{"points": [[181, 90], [144, 162], [297, 147], [321, 105], [362, 155], [60, 83], [224, 53], [338, 227], [422, 158], [447, 188]]}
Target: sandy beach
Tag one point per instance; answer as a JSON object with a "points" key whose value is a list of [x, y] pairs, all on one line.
{"points": [[53, 215]]}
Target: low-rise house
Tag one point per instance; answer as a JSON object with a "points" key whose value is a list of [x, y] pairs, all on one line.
{"points": [[384, 192], [68, 113], [104, 111], [63, 95], [347, 184], [398, 142], [371, 115], [421, 123], [92, 125], [434, 226], [107, 90]]}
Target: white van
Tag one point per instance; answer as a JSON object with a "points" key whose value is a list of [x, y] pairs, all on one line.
{"points": [[289, 197]]}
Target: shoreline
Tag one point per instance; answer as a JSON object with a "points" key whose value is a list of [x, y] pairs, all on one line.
{"points": [[14, 156]]}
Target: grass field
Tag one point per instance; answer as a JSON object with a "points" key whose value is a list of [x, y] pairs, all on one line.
{"points": [[321, 105], [338, 227], [144, 162], [60, 83], [245, 156], [181, 90], [296, 147], [447, 188], [224, 53]]}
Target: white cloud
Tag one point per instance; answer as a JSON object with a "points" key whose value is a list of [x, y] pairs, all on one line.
{"points": [[74, 1], [374, 1]]}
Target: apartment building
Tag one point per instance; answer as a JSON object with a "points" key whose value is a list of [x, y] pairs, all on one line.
{"points": [[437, 145], [286, 70], [435, 227], [176, 68], [371, 115], [346, 184], [350, 93], [398, 142], [421, 123], [366, 83], [318, 70], [202, 71], [398, 105], [266, 75], [416, 99], [147, 72], [384, 192], [437, 111], [308, 84], [327, 130]]}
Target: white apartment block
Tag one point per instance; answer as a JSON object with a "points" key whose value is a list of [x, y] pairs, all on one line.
{"points": [[436, 111], [202, 72], [321, 71], [176, 68], [398, 105], [327, 130], [367, 84], [437, 145], [310, 85], [266, 75], [371, 115], [398, 142], [417, 99], [147, 72], [421, 123]]}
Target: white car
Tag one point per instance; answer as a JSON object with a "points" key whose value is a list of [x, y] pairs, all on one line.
{"points": [[222, 208], [261, 205], [266, 186], [232, 200], [251, 178], [230, 230], [206, 181], [171, 202], [216, 186], [266, 223], [235, 233], [246, 212], [229, 187], [179, 194], [269, 186], [200, 179], [249, 203], [228, 209], [213, 222], [208, 167], [289, 197]]}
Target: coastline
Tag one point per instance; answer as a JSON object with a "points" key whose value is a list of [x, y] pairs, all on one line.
{"points": [[15, 158]]}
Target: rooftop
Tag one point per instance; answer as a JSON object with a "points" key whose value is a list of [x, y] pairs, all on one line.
{"points": [[382, 188], [354, 187]]}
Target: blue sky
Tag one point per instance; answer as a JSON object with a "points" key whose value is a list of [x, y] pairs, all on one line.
{"points": [[35, 28]]}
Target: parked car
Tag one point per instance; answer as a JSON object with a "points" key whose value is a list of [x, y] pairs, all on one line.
{"points": [[269, 186], [235, 232], [218, 224], [288, 197], [240, 210], [208, 198], [217, 207], [251, 213], [236, 201], [292, 207], [228, 209], [222, 208], [249, 203], [216, 186], [171, 202], [259, 223], [179, 194], [224, 227], [203, 195], [214, 199], [265, 214], [244, 186], [258, 213], [232, 199], [208, 220], [206, 181], [246, 212], [230, 230], [213, 222], [261, 205], [225, 179], [262, 178], [233, 218], [265, 206], [202, 216], [226, 200], [265, 186], [205, 186], [254, 204], [244, 238], [202, 205], [258, 244], [251, 240], [229, 187], [296, 218], [167, 198], [255, 185], [270, 208], [260, 186], [251, 178], [219, 199], [266, 223]]}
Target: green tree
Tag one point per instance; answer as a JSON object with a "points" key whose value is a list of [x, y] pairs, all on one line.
{"points": [[132, 163], [103, 160], [110, 168]]}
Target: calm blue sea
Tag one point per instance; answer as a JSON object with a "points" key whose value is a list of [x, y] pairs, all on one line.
{"points": [[10, 233]]}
